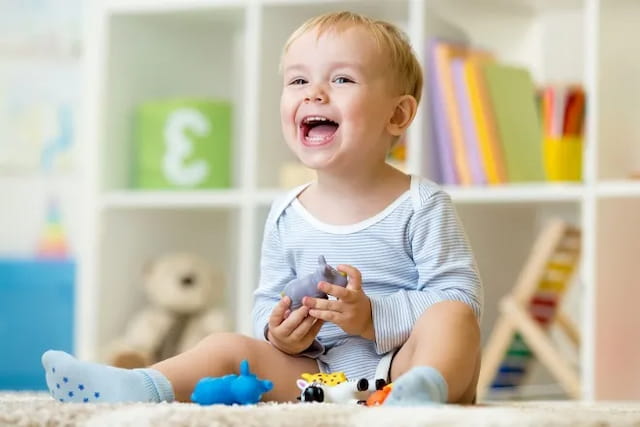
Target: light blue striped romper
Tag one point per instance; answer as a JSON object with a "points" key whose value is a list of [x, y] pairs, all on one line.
{"points": [[411, 255]]}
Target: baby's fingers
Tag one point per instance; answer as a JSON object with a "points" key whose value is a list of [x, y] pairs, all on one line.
{"points": [[295, 318], [355, 277], [303, 328], [315, 329], [278, 312]]}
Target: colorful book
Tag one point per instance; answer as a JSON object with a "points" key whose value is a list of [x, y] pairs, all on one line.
{"points": [[485, 127], [443, 53], [470, 138], [512, 95], [442, 145]]}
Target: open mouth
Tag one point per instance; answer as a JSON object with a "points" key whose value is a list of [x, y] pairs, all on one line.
{"points": [[317, 130]]}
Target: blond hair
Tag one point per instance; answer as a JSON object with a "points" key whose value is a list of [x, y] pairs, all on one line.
{"points": [[405, 65]]}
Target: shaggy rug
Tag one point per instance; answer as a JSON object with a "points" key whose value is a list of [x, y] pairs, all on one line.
{"points": [[29, 409]]}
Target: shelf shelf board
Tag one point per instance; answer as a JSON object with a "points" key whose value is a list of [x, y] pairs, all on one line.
{"points": [[508, 193], [208, 199], [170, 6], [618, 188], [518, 193], [267, 196], [514, 6]]}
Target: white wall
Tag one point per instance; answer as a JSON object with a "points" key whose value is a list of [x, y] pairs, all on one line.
{"points": [[40, 82]]}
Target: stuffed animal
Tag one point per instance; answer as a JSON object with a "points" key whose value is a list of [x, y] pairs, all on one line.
{"points": [[181, 289]]}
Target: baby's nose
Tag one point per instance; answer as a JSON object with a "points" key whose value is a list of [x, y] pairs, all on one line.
{"points": [[316, 95]]}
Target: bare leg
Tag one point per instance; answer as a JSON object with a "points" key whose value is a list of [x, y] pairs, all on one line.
{"points": [[447, 338], [220, 354]]}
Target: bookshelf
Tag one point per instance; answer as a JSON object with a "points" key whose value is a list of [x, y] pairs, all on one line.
{"points": [[230, 49]]}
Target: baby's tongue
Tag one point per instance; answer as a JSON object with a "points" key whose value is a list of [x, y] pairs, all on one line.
{"points": [[322, 131]]}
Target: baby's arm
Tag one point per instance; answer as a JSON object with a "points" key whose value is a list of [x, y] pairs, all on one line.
{"points": [[446, 272]]}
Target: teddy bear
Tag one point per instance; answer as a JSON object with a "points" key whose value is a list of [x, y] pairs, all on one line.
{"points": [[180, 288]]}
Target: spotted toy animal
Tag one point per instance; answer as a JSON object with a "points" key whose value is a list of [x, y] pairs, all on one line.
{"points": [[356, 391], [332, 379]]}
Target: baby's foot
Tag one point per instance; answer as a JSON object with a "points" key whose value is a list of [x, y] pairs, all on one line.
{"points": [[421, 385], [71, 380]]}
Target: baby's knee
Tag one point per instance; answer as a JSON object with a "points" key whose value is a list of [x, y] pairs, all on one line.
{"points": [[452, 310], [228, 342], [461, 312], [449, 313]]}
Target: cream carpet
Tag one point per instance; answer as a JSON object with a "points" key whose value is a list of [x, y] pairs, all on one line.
{"points": [[29, 409]]}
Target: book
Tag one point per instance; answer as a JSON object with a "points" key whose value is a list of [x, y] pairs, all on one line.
{"points": [[484, 121], [512, 95], [441, 134], [470, 138], [443, 53]]}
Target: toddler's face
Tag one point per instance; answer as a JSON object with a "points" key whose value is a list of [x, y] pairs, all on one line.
{"points": [[336, 100]]}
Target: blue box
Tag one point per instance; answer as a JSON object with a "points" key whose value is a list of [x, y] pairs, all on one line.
{"points": [[36, 314]]}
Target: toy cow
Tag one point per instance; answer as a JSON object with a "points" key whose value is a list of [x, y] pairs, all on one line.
{"points": [[301, 287], [241, 389]]}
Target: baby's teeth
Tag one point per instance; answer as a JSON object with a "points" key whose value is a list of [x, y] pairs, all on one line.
{"points": [[315, 118]]}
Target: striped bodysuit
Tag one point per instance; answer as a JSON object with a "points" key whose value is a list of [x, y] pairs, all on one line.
{"points": [[411, 255]]}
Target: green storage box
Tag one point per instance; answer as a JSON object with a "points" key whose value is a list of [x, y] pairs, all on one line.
{"points": [[183, 144]]}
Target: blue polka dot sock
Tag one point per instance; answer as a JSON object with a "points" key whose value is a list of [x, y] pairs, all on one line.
{"points": [[421, 385], [72, 380]]}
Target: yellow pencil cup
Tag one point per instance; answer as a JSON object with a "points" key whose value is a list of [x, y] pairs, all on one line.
{"points": [[563, 158]]}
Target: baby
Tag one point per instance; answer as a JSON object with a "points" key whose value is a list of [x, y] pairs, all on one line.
{"points": [[409, 313]]}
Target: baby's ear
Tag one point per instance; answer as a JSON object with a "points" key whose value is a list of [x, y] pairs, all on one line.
{"points": [[403, 114]]}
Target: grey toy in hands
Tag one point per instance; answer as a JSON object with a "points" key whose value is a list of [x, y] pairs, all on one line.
{"points": [[307, 286]]}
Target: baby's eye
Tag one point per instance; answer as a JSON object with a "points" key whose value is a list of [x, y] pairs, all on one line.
{"points": [[298, 81], [342, 79]]}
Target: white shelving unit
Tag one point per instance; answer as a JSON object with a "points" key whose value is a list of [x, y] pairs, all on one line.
{"points": [[230, 49]]}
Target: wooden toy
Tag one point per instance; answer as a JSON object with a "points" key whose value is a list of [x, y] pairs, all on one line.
{"points": [[521, 331]]}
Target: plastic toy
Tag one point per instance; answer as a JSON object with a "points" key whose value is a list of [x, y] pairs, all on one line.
{"points": [[529, 311], [378, 397], [308, 285], [356, 391], [243, 389], [331, 379]]}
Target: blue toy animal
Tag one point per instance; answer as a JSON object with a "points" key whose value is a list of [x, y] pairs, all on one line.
{"points": [[243, 389], [308, 285]]}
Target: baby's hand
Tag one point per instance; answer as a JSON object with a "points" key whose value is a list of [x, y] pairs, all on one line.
{"points": [[352, 309], [292, 331]]}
